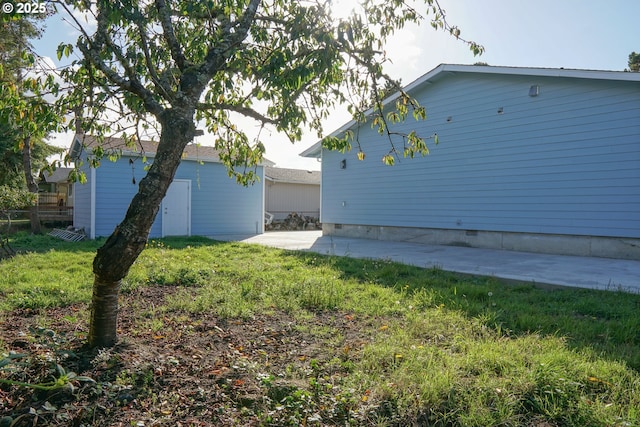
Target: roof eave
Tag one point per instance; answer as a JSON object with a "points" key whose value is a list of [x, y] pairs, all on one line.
{"points": [[446, 69], [77, 147], [314, 151]]}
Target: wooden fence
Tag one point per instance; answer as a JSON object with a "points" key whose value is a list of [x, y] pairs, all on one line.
{"points": [[47, 214]]}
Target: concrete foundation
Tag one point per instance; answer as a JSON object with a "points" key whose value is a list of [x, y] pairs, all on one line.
{"points": [[591, 246]]}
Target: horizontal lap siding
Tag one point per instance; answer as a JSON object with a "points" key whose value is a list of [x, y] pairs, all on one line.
{"points": [[284, 198], [218, 204], [565, 162], [115, 189]]}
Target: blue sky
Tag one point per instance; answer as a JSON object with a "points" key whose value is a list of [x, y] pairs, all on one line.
{"points": [[582, 34]]}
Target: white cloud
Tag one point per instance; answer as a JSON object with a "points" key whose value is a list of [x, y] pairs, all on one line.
{"points": [[84, 19]]}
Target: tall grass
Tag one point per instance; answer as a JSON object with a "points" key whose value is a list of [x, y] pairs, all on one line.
{"points": [[443, 348]]}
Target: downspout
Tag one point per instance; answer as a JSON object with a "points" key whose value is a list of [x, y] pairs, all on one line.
{"points": [[260, 228], [321, 180], [92, 232]]}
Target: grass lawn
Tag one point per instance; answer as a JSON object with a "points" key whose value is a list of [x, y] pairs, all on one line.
{"points": [[229, 334]]}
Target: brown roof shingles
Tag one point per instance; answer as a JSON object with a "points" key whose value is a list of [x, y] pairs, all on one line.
{"points": [[147, 148]]}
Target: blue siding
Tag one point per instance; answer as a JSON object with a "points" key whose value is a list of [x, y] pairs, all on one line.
{"points": [[114, 190], [564, 162], [218, 204]]}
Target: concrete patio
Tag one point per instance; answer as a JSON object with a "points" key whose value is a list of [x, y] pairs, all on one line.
{"points": [[544, 269]]}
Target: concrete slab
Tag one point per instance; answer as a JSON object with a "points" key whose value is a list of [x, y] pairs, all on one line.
{"points": [[557, 270]]}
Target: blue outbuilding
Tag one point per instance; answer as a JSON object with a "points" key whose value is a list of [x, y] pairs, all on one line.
{"points": [[529, 159], [202, 199]]}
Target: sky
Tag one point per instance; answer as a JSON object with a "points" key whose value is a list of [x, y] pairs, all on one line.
{"points": [[576, 34]]}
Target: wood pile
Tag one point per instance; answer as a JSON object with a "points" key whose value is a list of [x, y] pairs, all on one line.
{"points": [[294, 222]]}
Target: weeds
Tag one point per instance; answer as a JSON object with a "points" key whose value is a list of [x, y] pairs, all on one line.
{"points": [[61, 378], [43, 374], [232, 334]]}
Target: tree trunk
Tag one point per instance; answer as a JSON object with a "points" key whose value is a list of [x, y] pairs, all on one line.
{"points": [[104, 313], [34, 218], [114, 259]]}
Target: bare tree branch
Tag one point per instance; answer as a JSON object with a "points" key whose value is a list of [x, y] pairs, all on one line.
{"points": [[162, 88], [92, 51], [169, 35], [217, 55], [247, 112]]}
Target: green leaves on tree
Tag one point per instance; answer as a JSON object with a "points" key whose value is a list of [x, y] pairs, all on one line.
{"points": [[634, 62], [176, 65], [64, 50]]}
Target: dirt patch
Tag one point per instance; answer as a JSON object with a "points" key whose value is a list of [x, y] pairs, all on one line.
{"points": [[174, 368]]}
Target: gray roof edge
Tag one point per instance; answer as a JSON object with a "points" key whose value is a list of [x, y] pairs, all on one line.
{"points": [[292, 176], [58, 175]]}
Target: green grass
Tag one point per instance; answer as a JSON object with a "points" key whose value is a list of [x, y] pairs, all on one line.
{"points": [[443, 348]]}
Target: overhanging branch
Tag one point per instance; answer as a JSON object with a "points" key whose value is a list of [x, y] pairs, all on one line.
{"points": [[232, 36], [135, 87], [245, 111], [169, 35]]}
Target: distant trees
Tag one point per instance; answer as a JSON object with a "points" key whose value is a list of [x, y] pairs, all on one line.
{"points": [[11, 164], [634, 62], [10, 200], [25, 116]]}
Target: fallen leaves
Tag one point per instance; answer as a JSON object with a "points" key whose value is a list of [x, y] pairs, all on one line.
{"points": [[197, 370]]}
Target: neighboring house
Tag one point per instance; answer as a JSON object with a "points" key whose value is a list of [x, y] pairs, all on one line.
{"points": [[55, 196], [292, 190], [202, 199], [541, 160]]}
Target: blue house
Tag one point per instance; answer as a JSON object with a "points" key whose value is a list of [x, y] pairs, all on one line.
{"points": [[540, 160], [202, 199]]}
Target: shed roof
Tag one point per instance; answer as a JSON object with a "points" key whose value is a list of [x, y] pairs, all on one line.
{"points": [[148, 148], [443, 70], [57, 176], [294, 176]]}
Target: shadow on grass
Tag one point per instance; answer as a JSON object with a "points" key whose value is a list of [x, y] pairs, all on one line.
{"points": [[605, 323], [24, 242]]}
